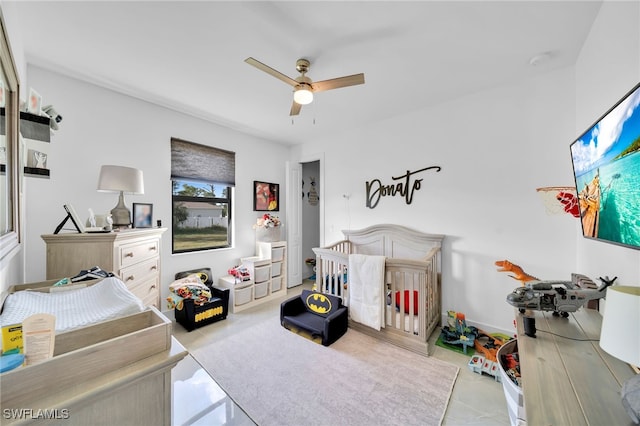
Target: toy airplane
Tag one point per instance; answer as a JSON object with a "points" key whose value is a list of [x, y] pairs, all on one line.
{"points": [[561, 297]]}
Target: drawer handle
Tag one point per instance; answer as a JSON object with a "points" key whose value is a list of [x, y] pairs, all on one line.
{"points": [[130, 254], [153, 287], [130, 278], [153, 248], [154, 267]]}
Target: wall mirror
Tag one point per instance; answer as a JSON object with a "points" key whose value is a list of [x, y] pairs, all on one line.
{"points": [[9, 149]]}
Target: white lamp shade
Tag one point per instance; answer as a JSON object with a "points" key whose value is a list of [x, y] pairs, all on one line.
{"points": [[303, 96], [120, 178], [620, 334]]}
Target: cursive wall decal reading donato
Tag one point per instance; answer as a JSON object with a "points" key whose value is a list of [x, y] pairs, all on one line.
{"points": [[376, 190]]}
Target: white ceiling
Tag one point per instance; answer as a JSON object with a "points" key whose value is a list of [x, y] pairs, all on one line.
{"points": [[190, 55]]}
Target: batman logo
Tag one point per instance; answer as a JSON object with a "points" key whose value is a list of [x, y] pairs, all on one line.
{"points": [[318, 303]]}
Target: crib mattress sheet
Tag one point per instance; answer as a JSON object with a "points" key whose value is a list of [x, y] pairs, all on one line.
{"points": [[106, 300], [408, 318]]}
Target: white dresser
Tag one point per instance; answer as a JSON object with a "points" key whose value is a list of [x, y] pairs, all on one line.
{"points": [[131, 254]]}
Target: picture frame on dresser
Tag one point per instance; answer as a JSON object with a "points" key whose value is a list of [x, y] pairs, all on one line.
{"points": [[142, 215], [73, 216]]}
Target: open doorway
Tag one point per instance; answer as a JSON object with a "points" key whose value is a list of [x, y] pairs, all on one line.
{"points": [[305, 215], [310, 215]]}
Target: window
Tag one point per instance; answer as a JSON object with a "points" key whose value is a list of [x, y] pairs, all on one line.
{"points": [[202, 191]]}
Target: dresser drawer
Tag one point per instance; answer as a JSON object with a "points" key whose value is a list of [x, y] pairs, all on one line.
{"points": [[130, 254], [136, 273], [147, 290]]}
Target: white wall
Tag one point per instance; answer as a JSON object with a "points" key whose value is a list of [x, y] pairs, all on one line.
{"points": [[607, 68], [495, 148], [104, 127]]}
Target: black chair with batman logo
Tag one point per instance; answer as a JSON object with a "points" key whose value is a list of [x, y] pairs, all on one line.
{"points": [[322, 315]]}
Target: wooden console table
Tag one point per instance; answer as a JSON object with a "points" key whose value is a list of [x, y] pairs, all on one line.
{"points": [[570, 382]]}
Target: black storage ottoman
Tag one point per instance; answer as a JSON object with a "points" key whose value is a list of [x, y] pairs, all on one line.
{"points": [[192, 316]]}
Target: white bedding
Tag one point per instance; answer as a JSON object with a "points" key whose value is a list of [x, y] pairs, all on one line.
{"points": [[108, 299], [366, 290]]}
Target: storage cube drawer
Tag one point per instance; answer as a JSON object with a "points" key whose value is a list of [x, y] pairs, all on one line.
{"points": [[277, 254], [261, 273], [276, 269], [261, 289], [242, 295], [276, 284]]}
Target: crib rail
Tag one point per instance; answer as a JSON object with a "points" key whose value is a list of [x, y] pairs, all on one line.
{"points": [[331, 269], [413, 296]]}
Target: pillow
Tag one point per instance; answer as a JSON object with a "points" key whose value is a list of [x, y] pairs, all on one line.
{"points": [[319, 303], [406, 301]]}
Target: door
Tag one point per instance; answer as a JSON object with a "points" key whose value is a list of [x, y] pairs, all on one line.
{"points": [[294, 224]]}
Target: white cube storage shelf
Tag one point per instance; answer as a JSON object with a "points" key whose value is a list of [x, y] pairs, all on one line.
{"points": [[268, 272]]}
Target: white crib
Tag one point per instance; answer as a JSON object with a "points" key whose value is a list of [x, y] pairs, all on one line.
{"points": [[412, 268]]}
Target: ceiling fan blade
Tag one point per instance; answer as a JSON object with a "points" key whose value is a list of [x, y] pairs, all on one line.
{"points": [[271, 71], [295, 108], [335, 83]]}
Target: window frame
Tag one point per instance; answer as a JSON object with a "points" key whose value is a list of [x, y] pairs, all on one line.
{"points": [[228, 200]]}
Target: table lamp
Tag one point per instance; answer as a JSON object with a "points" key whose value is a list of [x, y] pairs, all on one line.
{"points": [[620, 337], [121, 179]]}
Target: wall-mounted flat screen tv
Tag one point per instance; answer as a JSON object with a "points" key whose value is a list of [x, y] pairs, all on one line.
{"points": [[606, 168]]}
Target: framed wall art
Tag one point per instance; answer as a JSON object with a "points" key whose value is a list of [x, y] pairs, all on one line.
{"points": [[34, 106], [266, 196], [142, 215]]}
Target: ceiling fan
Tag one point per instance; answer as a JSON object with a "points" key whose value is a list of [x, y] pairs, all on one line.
{"points": [[303, 86]]}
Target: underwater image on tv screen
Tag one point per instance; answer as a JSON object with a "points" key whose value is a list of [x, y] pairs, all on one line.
{"points": [[606, 166]]}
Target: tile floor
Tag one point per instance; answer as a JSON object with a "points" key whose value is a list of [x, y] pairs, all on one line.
{"points": [[198, 400]]}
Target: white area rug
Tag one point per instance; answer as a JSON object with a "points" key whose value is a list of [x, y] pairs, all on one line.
{"points": [[280, 378]]}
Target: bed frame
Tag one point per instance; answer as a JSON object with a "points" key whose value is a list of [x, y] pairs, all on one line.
{"points": [[413, 264]]}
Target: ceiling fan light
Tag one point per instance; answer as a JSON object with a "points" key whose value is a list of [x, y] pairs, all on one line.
{"points": [[302, 96]]}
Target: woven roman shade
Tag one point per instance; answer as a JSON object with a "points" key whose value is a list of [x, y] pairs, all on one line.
{"points": [[192, 161]]}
